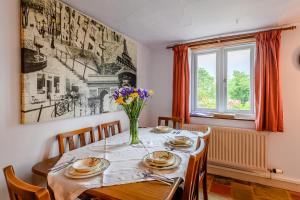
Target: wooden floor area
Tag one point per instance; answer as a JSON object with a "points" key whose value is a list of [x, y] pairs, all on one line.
{"points": [[221, 188]]}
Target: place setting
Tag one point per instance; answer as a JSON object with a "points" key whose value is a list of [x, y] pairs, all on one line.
{"points": [[161, 160], [180, 143], [84, 168], [162, 129]]}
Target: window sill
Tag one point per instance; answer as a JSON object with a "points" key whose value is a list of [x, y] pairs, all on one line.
{"points": [[211, 116]]}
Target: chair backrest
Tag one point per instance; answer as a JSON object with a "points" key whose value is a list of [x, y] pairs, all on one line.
{"points": [[199, 128], [20, 190], [206, 135], [109, 127], [176, 121], [174, 187], [195, 172], [69, 136]]}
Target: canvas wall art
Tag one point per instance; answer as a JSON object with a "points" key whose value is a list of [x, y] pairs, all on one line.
{"points": [[71, 64]]}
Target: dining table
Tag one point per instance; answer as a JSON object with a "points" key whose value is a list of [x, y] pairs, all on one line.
{"points": [[124, 178]]}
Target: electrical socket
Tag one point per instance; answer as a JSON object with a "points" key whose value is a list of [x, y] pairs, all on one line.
{"points": [[276, 171]]}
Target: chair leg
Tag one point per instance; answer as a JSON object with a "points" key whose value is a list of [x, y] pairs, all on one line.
{"points": [[204, 185]]}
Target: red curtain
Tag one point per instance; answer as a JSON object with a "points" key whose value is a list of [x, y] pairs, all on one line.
{"points": [[269, 113], [181, 84]]}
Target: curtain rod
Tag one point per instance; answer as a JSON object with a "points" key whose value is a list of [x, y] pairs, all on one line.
{"points": [[227, 38]]}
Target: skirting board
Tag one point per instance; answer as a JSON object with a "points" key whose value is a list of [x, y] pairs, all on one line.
{"points": [[256, 177]]}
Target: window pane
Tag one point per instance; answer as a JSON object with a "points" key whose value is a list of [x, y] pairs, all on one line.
{"points": [[206, 81], [238, 80]]}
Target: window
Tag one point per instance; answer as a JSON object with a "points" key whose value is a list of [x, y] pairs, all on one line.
{"points": [[40, 83], [222, 80], [56, 84]]}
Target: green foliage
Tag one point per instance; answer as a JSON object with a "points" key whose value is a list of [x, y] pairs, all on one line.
{"points": [[206, 89], [238, 90], [239, 87]]}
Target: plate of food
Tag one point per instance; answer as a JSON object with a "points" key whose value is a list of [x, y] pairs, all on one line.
{"points": [[86, 168], [180, 141], [161, 160], [162, 129]]}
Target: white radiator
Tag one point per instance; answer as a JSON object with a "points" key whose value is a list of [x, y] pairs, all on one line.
{"points": [[235, 147]]}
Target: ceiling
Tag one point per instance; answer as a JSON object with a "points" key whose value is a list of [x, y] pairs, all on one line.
{"points": [[160, 22]]}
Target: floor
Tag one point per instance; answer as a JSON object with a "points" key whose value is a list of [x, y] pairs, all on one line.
{"points": [[221, 188]]}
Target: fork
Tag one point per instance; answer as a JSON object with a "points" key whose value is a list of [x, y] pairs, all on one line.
{"points": [[62, 165], [157, 178], [159, 175], [176, 132], [170, 148]]}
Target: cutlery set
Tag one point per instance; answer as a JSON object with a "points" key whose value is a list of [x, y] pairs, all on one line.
{"points": [[62, 165], [157, 177], [176, 132]]}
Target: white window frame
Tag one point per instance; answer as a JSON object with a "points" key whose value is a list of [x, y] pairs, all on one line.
{"points": [[221, 80]]}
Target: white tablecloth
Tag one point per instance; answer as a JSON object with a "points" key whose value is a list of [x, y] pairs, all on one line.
{"points": [[125, 163]]}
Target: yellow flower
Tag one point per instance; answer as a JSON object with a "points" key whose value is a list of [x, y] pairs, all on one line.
{"points": [[151, 92], [120, 101], [134, 95]]}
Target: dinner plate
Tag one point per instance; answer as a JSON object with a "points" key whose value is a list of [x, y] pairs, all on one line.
{"points": [[180, 141], [87, 164], [160, 158], [162, 129], [70, 172], [177, 161]]}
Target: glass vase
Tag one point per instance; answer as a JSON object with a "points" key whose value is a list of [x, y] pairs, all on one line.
{"points": [[134, 128]]}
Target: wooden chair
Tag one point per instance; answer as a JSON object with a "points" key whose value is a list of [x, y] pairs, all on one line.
{"points": [[206, 137], [109, 127], [195, 175], [20, 190], [69, 136], [175, 120], [200, 128]]}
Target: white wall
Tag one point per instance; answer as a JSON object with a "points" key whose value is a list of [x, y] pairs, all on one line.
{"points": [[283, 149], [161, 81], [25, 145]]}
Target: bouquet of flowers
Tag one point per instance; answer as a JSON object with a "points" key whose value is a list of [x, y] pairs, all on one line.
{"points": [[132, 101]]}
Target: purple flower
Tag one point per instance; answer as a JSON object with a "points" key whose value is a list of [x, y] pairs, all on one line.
{"points": [[146, 93], [141, 93], [123, 92], [116, 94], [129, 90]]}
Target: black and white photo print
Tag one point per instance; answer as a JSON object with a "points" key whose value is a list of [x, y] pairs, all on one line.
{"points": [[71, 64]]}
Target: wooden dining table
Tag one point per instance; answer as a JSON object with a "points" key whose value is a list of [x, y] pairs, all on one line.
{"points": [[141, 190]]}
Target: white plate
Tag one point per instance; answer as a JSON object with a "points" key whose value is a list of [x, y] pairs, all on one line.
{"points": [[175, 165], [189, 144], [87, 164], [162, 129], [160, 158], [70, 171]]}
